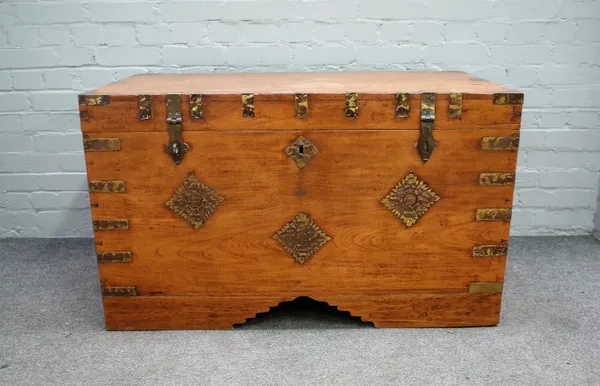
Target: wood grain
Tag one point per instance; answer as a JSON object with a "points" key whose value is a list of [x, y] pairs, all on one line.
{"points": [[414, 310], [234, 253], [278, 113]]}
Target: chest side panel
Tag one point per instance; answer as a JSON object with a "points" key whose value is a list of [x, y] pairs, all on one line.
{"points": [[370, 251]]}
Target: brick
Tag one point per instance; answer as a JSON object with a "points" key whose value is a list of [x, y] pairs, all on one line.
{"points": [[35, 122], [494, 74], [58, 142], [224, 32], [396, 10], [327, 54], [54, 101], [14, 101], [119, 35], [153, 34], [74, 56], [428, 32], [537, 97], [537, 159], [492, 31], [19, 224], [59, 79], [558, 198], [584, 119], [573, 97], [527, 179], [397, 31], [571, 140], [577, 54], [256, 10], [28, 80], [553, 119], [260, 55], [5, 81], [189, 33], [15, 163], [132, 56], [456, 53], [361, 32], [65, 121], [507, 9], [87, 34], [15, 201], [459, 32], [521, 55], [581, 10], [19, 182], [10, 123], [581, 219], [60, 200], [582, 179], [124, 12], [51, 13], [55, 35], [264, 33], [524, 76], [559, 31], [588, 31], [23, 37], [188, 11], [327, 32], [61, 182], [387, 53], [296, 32], [15, 143], [93, 78], [525, 32], [190, 56], [559, 75], [469, 10], [64, 223], [65, 162]]}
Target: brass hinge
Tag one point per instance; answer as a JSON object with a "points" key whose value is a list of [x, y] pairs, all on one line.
{"points": [[426, 144], [196, 106], [176, 147], [402, 105], [455, 107], [248, 105], [301, 101], [351, 105]]}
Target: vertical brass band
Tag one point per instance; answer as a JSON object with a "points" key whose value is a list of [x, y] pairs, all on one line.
{"points": [[455, 107], [145, 107], [248, 105], [402, 105], [493, 214], [196, 107], [301, 102], [351, 108]]}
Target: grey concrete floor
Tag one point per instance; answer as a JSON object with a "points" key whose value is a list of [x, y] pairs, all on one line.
{"points": [[52, 332]]}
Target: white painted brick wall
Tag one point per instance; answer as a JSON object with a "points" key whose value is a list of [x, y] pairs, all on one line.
{"points": [[50, 50]]}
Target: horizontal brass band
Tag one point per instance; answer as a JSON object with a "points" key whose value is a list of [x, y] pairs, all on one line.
{"points": [[113, 291], [145, 107], [94, 100], [508, 99], [114, 257], [486, 287], [490, 250], [500, 143], [107, 186], [455, 108], [494, 179], [101, 144], [493, 214], [107, 225]]}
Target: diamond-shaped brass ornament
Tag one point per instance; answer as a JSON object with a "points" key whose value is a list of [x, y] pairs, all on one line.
{"points": [[410, 199], [194, 201], [301, 151], [301, 238]]}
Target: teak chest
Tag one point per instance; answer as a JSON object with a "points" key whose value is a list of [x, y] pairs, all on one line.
{"points": [[215, 197]]}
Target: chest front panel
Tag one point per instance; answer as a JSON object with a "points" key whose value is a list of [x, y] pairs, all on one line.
{"points": [[272, 207]]}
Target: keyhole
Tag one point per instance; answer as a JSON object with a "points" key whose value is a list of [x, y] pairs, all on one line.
{"points": [[301, 149]]}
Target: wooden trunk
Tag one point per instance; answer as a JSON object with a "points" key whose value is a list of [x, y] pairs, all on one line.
{"points": [[215, 197]]}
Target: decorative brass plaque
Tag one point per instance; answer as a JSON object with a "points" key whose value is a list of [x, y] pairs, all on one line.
{"points": [[500, 143], [410, 199], [109, 225], [194, 201], [113, 291], [485, 287], [101, 144], [490, 250], [145, 107], [351, 105], [493, 179], [114, 257], [196, 107], [107, 186], [301, 101], [301, 151], [508, 99], [248, 105], [402, 105], [301, 238], [493, 214], [455, 107], [94, 100], [426, 144]]}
